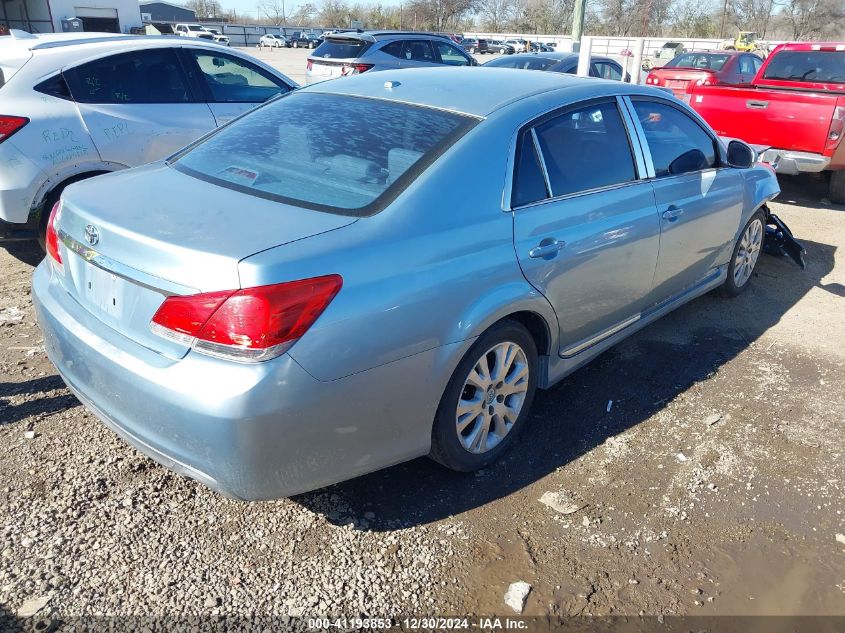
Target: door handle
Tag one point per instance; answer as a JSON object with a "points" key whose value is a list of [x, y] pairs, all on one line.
{"points": [[756, 105], [672, 213], [547, 249]]}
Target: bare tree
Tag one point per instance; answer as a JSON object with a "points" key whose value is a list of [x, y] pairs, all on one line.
{"points": [[205, 9], [813, 19], [496, 15], [275, 11]]}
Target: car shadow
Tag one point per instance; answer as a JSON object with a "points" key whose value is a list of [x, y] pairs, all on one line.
{"points": [[10, 413], [639, 375], [806, 190], [29, 251]]}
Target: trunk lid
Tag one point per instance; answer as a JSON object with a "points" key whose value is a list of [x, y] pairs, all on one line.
{"points": [[132, 238]]}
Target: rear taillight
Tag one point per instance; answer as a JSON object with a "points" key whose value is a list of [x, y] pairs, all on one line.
{"points": [[354, 69], [248, 325], [651, 79], [837, 128], [704, 81], [51, 239], [10, 124]]}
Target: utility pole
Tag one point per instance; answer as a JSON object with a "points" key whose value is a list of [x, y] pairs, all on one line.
{"points": [[724, 15], [578, 22]]}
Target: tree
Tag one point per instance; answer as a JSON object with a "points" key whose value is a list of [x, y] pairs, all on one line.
{"points": [[275, 11], [205, 9], [304, 15], [814, 19], [495, 14]]}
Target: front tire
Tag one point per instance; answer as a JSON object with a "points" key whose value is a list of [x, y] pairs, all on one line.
{"points": [[745, 255], [486, 403]]}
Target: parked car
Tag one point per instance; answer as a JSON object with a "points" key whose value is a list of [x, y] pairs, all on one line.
{"points": [[345, 54], [301, 39], [540, 47], [670, 50], [793, 111], [518, 45], [76, 105], [473, 45], [219, 37], [194, 30], [498, 46], [705, 68], [602, 67], [273, 41], [306, 335]]}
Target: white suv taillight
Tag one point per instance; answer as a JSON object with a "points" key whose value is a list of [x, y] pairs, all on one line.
{"points": [[248, 325], [10, 124]]}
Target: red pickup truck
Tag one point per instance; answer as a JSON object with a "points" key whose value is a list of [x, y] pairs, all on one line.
{"points": [[793, 112]]}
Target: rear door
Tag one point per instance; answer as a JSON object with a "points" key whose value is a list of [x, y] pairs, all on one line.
{"points": [[699, 200], [586, 230], [230, 85], [138, 106]]}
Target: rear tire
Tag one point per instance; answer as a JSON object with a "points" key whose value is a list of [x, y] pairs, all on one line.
{"points": [[486, 403], [745, 255], [836, 188]]}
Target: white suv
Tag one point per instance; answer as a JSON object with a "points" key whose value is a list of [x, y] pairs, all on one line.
{"points": [[193, 30], [74, 105]]}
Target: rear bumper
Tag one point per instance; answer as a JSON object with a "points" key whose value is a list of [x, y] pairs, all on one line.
{"points": [[252, 432], [792, 163]]}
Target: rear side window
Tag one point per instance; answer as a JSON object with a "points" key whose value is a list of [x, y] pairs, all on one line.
{"points": [[341, 48], [310, 150], [814, 66], [677, 143], [55, 87], [585, 149], [150, 76], [529, 184]]}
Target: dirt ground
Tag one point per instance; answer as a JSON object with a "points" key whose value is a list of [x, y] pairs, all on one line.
{"points": [[702, 459]]}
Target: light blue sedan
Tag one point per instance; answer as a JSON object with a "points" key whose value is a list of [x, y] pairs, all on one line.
{"points": [[370, 270]]}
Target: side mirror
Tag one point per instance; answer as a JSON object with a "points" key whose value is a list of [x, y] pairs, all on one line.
{"points": [[473, 62], [693, 160], [741, 155]]}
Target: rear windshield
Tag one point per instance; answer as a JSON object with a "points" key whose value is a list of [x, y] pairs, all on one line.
{"points": [[531, 63], [341, 49], [814, 66], [336, 153], [712, 61]]}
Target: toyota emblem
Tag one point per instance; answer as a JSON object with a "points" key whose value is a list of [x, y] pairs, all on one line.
{"points": [[92, 234]]}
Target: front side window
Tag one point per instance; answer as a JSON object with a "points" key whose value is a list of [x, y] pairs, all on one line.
{"points": [[310, 150], [678, 144], [586, 148], [150, 76], [450, 55], [231, 80]]}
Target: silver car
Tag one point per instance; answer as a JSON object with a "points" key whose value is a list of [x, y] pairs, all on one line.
{"points": [[353, 53], [315, 299]]}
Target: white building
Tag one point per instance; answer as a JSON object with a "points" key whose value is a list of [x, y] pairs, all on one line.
{"points": [[48, 16]]}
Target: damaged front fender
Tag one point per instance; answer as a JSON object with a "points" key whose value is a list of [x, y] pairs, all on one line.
{"points": [[780, 241]]}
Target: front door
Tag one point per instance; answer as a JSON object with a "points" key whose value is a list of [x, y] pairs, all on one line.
{"points": [[698, 200], [231, 85], [586, 229], [138, 106]]}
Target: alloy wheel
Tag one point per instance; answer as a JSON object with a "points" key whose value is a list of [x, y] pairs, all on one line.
{"points": [[748, 252], [492, 397]]}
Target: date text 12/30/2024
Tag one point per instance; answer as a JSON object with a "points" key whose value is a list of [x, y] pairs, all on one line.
{"points": [[421, 623]]}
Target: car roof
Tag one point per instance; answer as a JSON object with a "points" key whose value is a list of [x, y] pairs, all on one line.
{"points": [[114, 40], [468, 90], [372, 36], [560, 57]]}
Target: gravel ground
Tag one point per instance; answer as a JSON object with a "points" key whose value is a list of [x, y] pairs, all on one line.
{"points": [[696, 468]]}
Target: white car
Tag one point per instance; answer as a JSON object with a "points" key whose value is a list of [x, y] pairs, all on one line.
{"points": [[219, 37], [75, 105], [193, 30], [519, 46], [273, 41]]}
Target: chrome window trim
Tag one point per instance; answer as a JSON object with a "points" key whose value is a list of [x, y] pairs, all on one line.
{"points": [[542, 160], [579, 194]]}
